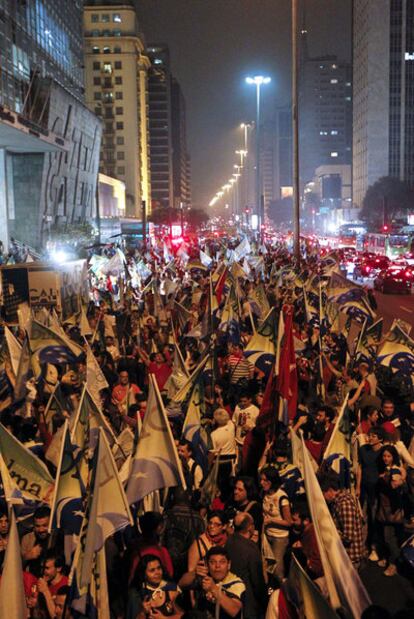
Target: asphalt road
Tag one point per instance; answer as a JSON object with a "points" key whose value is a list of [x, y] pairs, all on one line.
{"points": [[392, 306]]}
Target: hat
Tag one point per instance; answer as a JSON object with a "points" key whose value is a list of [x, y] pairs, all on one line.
{"points": [[389, 427]]}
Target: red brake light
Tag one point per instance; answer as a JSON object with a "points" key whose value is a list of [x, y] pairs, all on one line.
{"points": [[408, 274]]}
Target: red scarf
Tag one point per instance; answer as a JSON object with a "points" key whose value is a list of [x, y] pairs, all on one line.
{"points": [[217, 540]]}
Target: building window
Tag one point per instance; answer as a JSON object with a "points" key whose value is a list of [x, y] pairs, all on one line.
{"points": [[119, 139], [108, 127], [96, 66], [97, 96], [95, 33], [119, 125], [334, 81], [106, 50], [106, 33], [120, 155], [116, 33], [94, 18], [121, 170], [96, 81], [116, 17], [118, 64], [105, 18], [95, 49], [334, 132], [117, 50], [118, 80], [107, 67], [98, 111], [108, 97], [119, 110], [119, 95], [334, 154]]}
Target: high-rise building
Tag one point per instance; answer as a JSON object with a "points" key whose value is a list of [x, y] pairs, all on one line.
{"points": [[116, 81], [325, 114], [49, 139], [283, 166], [160, 126], [180, 156], [268, 163], [383, 119]]}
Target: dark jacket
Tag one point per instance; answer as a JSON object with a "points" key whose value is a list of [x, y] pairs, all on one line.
{"points": [[246, 563]]}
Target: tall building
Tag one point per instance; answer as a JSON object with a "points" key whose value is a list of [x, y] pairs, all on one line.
{"points": [[325, 114], [160, 126], [383, 120], [180, 156], [49, 140], [283, 159], [116, 82], [268, 163]]}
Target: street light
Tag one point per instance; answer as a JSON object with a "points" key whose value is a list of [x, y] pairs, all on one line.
{"points": [[258, 81]]}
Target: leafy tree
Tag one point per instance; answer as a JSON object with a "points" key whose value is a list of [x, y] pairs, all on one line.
{"points": [[164, 216], [196, 217], [387, 197]]}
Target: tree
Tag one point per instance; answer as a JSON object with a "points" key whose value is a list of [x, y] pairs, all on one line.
{"points": [[164, 216], [196, 217], [385, 199]]}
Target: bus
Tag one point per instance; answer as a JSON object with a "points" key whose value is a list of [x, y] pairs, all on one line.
{"points": [[391, 245], [350, 234]]}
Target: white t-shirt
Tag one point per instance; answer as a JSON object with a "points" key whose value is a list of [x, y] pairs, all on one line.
{"points": [[244, 417], [224, 440], [272, 506]]}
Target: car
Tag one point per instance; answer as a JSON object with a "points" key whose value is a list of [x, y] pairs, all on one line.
{"points": [[370, 266], [394, 279]]}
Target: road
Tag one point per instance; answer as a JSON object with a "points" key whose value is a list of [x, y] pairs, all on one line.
{"points": [[392, 306]]}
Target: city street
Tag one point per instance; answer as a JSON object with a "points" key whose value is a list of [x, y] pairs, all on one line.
{"points": [[392, 306]]}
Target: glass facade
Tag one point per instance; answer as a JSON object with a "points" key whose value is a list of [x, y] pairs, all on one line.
{"points": [[40, 40]]}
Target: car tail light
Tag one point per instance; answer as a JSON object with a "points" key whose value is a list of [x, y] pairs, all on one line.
{"points": [[408, 275], [367, 269]]}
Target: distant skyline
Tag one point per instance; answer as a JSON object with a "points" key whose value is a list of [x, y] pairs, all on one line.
{"points": [[214, 44]]}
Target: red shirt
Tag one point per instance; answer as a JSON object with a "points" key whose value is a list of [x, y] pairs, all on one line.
{"points": [[161, 373], [54, 587]]}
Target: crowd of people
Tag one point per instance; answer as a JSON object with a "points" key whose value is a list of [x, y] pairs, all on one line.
{"points": [[252, 337]]}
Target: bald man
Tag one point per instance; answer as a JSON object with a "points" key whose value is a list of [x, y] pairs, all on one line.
{"points": [[246, 563]]}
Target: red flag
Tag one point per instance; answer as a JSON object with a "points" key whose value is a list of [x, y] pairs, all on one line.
{"points": [[287, 381], [220, 285]]}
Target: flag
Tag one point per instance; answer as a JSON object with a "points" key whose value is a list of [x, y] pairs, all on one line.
{"points": [[268, 410], [24, 371], [48, 346], [66, 508], [312, 602], [179, 374], [84, 326], [219, 289], [341, 290], [85, 424], [258, 301], [340, 441], [397, 352], [155, 463], [115, 265], [95, 378], [242, 250], [261, 349], [344, 585], [29, 473], [107, 511], [185, 390], [12, 593], [205, 259], [14, 348], [287, 381], [193, 430]]}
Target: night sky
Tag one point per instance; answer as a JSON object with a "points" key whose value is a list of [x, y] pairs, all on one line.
{"points": [[214, 44]]}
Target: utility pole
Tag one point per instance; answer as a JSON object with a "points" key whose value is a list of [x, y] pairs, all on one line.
{"points": [[295, 131], [144, 224], [98, 210]]}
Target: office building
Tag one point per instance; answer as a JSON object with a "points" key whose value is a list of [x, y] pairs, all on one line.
{"points": [[116, 83], [180, 156], [325, 114], [283, 167], [160, 126], [383, 120], [49, 141]]}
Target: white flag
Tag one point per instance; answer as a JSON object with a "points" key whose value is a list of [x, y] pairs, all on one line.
{"points": [[155, 464], [12, 594], [344, 585]]}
